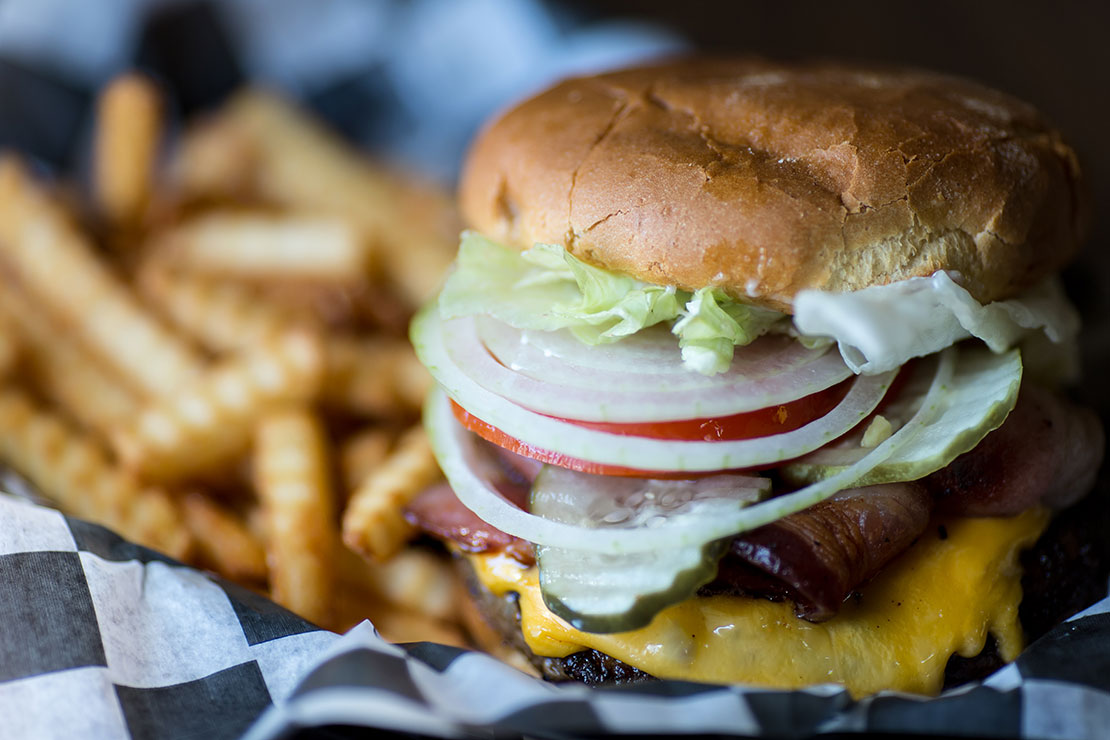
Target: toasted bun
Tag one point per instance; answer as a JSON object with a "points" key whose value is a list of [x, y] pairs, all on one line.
{"points": [[766, 179]]}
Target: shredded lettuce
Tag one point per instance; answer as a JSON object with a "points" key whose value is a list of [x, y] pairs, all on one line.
{"points": [[881, 327], [878, 328], [714, 324], [546, 288]]}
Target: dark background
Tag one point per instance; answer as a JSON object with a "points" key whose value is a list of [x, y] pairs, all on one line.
{"points": [[1055, 55]]}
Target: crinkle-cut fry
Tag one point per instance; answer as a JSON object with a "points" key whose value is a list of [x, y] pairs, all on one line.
{"points": [[213, 160], [125, 147], [63, 371], [291, 475], [361, 453], [223, 540], [223, 316], [56, 266], [302, 165], [9, 345], [378, 376], [418, 581], [211, 420], [76, 473], [271, 246], [373, 523], [299, 161], [401, 626], [415, 579]]}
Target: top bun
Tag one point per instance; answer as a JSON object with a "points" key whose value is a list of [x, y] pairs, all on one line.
{"points": [[765, 179]]}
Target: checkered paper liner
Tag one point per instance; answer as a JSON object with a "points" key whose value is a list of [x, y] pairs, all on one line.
{"points": [[102, 638]]}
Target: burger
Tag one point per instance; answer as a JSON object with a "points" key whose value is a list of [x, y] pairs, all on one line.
{"points": [[749, 373]]}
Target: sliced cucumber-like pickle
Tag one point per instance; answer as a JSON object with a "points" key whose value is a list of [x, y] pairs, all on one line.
{"points": [[981, 395], [599, 592]]}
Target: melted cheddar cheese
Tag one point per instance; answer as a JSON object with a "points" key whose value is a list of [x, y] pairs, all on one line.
{"points": [[942, 596]]}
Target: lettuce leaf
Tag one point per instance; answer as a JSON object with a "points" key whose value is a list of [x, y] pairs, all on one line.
{"points": [[714, 324], [546, 288]]}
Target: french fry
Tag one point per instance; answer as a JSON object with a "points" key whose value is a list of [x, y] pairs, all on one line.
{"points": [[415, 579], [213, 160], [210, 421], [302, 166], [73, 471], [373, 523], [125, 147], [377, 377], [362, 453], [9, 346], [221, 315], [403, 626], [55, 264], [281, 253], [224, 541], [418, 581], [291, 472], [258, 246], [63, 371]]}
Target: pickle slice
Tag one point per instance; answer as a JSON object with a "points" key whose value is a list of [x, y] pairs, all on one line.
{"points": [[982, 393], [599, 592]]}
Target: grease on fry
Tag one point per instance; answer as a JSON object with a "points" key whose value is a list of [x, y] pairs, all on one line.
{"points": [[211, 420], [373, 523], [291, 473]]}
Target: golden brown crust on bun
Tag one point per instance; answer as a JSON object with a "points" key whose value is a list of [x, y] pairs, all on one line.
{"points": [[766, 179]]}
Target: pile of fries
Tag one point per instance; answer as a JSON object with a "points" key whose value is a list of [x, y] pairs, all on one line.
{"points": [[208, 354]]}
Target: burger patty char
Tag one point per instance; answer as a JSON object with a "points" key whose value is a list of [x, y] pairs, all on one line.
{"points": [[1063, 572]]}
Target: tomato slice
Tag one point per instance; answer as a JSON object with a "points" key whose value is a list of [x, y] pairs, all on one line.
{"points": [[761, 423], [751, 424]]}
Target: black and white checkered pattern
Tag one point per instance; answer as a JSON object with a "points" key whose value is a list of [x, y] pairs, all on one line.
{"points": [[1059, 688], [102, 638]]}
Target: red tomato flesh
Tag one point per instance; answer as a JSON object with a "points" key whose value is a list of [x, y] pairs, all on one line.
{"points": [[761, 423]]}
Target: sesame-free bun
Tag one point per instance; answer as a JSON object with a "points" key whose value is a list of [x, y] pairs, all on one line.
{"points": [[766, 179]]}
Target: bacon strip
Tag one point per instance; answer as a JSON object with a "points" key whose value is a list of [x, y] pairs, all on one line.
{"points": [[439, 512], [1047, 451], [818, 556]]}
